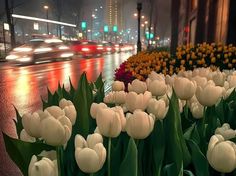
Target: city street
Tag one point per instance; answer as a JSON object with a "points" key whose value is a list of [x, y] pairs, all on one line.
{"points": [[23, 87]]}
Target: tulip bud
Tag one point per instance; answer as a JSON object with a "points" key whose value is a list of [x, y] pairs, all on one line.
{"points": [[221, 154], [95, 107], [118, 86], [157, 108], [208, 95], [200, 81], [137, 86], [120, 111], [43, 167], [139, 124], [108, 122], [70, 112], [91, 155], [197, 110], [157, 88], [218, 78], [227, 93], [154, 76], [184, 88], [63, 103], [117, 97], [135, 101], [226, 131], [55, 111], [24, 136], [56, 132], [232, 81], [31, 123]]}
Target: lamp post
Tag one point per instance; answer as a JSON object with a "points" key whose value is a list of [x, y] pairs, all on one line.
{"points": [[92, 17], [46, 8], [139, 45]]}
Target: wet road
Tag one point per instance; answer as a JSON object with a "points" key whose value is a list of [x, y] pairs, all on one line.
{"points": [[22, 87]]}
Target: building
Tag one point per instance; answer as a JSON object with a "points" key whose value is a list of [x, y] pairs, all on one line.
{"points": [[207, 21], [114, 14]]}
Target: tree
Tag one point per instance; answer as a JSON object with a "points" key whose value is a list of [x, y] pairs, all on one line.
{"points": [[175, 6], [9, 12], [201, 14]]}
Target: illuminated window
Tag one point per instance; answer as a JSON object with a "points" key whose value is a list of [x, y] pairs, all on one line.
{"points": [[194, 4]]}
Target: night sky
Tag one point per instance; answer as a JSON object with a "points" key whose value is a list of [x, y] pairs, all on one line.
{"points": [[83, 7]]}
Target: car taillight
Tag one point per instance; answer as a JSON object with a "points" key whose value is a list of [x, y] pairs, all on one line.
{"points": [[108, 49], [85, 49], [100, 48]]}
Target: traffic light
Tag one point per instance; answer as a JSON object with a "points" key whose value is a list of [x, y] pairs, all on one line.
{"points": [[106, 29], [83, 25], [115, 28]]}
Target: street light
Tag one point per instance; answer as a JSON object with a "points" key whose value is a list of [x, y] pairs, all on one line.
{"points": [[92, 17], [139, 45], [143, 16], [46, 8], [135, 14]]}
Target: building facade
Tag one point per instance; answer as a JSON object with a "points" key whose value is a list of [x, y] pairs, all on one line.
{"points": [[207, 21], [114, 14]]}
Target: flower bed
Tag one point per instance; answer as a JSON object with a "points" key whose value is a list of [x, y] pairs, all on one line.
{"points": [[164, 125], [187, 57]]}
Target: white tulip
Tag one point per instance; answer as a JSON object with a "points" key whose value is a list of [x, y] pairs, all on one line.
{"points": [[137, 101], [63, 103], [232, 81], [170, 80], [208, 95], [71, 113], [24, 136], [56, 132], [182, 103], [137, 86], [226, 131], [52, 155], [44, 167], [55, 111], [227, 93], [31, 123], [93, 139], [157, 108], [91, 155], [157, 88], [109, 122], [221, 154], [197, 110], [226, 85], [139, 124], [155, 76], [69, 109], [203, 72], [120, 111], [118, 86], [201, 81], [184, 88], [95, 107], [117, 97], [218, 78]]}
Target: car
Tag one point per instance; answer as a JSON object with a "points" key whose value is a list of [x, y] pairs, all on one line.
{"points": [[40, 50], [108, 47], [86, 48]]}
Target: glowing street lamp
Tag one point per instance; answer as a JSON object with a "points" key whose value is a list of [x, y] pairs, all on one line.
{"points": [[143, 17], [146, 22], [46, 8], [135, 14]]}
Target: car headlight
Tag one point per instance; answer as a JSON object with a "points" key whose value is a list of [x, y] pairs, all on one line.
{"points": [[11, 57], [41, 50], [63, 47], [22, 49], [24, 59]]}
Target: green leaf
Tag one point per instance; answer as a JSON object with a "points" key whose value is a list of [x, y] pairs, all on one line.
{"points": [[189, 131], [158, 143], [171, 170], [211, 120], [21, 152], [18, 122], [128, 166], [176, 149], [188, 172], [99, 82], [199, 160], [82, 100], [220, 111]]}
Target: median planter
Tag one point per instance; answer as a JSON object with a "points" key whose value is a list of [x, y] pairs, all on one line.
{"points": [[162, 125]]}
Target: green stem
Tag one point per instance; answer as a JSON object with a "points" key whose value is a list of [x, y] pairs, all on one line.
{"points": [[60, 164], [109, 157]]}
